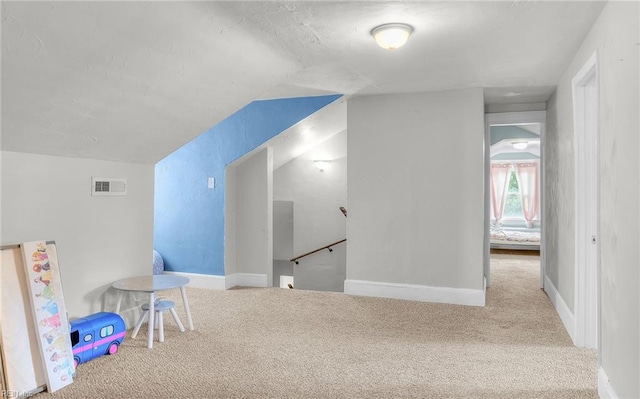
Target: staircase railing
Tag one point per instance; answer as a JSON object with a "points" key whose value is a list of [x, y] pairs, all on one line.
{"points": [[297, 258]]}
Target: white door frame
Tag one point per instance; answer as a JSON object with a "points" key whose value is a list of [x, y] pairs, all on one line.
{"points": [[512, 118], [585, 87]]}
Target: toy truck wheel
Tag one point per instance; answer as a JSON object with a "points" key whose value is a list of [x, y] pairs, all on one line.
{"points": [[113, 348], [76, 361]]}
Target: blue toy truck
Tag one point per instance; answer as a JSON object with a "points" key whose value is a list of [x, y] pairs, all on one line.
{"points": [[96, 335]]}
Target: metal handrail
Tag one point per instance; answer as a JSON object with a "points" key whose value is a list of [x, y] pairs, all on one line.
{"points": [[296, 259]]}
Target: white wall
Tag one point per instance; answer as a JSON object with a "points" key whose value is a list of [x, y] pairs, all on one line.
{"points": [[560, 194], [317, 196], [614, 37], [99, 239], [416, 197], [282, 227], [254, 209], [230, 251]]}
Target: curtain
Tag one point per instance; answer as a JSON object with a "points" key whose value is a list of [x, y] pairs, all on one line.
{"points": [[499, 181], [527, 175]]}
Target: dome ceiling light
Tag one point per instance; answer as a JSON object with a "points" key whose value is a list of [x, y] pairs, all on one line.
{"points": [[391, 36], [519, 145]]}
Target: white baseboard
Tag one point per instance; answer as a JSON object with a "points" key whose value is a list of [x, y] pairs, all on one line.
{"points": [[231, 281], [605, 390], [223, 282], [413, 292], [250, 280], [566, 315], [208, 281]]}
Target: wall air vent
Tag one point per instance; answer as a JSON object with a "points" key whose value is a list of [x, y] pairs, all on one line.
{"points": [[108, 186]]}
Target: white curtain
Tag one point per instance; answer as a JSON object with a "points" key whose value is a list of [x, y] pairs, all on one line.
{"points": [[527, 175], [499, 182]]}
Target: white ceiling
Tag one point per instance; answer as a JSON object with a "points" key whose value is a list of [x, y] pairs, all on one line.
{"points": [[133, 81]]}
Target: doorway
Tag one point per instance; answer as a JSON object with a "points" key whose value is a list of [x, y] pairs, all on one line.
{"points": [[587, 253], [514, 185]]}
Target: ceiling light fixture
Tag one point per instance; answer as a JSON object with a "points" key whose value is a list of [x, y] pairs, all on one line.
{"points": [[391, 36], [322, 165], [519, 145]]}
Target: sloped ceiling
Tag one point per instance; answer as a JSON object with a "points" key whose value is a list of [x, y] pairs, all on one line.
{"points": [[302, 138], [125, 81], [133, 81], [502, 138]]}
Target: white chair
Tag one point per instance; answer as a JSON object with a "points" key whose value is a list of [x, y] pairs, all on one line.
{"points": [[160, 306]]}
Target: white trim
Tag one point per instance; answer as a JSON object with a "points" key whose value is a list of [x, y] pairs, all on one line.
{"points": [[285, 281], [486, 250], [586, 203], [561, 307], [208, 281], [586, 70], [231, 281], [517, 118], [212, 282], [605, 390], [413, 292], [250, 280]]}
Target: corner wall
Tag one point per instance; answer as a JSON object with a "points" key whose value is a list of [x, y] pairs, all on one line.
{"points": [[100, 239], [416, 196], [614, 36], [560, 194], [253, 218]]}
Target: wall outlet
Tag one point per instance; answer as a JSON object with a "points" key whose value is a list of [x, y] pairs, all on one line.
{"points": [[211, 182]]}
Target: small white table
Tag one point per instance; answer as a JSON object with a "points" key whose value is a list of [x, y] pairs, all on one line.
{"points": [[151, 284]]}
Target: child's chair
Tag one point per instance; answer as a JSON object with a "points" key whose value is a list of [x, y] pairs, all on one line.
{"points": [[160, 306]]}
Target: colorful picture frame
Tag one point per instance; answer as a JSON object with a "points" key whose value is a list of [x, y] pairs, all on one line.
{"points": [[49, 312]]}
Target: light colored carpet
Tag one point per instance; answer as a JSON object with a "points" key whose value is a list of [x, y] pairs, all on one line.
{"points": [[278, 343]]}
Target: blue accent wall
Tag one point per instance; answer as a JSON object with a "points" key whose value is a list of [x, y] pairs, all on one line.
{"points": [[188, 216]]}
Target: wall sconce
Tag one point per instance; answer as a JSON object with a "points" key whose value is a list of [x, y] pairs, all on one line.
{"points": [[322, 165], [519, 145], [391, 36]]}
